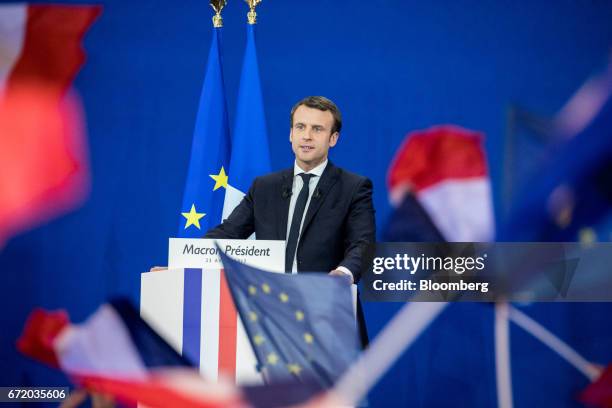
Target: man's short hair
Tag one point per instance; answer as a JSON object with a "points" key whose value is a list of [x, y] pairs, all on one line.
{"points": [[323, 104]]}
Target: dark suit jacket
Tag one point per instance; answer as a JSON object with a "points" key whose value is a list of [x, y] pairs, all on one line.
{"points": [[339, 221]]}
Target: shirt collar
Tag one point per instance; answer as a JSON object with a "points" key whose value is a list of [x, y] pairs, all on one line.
{"points": [[317, 171]]}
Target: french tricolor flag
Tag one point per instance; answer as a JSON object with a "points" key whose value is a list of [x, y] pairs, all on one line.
{"points": [[445, 167], [115, 352]]}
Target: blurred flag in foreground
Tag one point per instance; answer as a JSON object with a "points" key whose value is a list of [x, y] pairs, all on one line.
{"points": [[42, 43], [599, 392], [409, 222], [445, 169], [115, 352], [43, 170], [571, 197], [301, 327], [118, 354]]}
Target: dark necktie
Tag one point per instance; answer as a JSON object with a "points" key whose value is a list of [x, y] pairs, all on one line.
{"points": [[294, 231]]}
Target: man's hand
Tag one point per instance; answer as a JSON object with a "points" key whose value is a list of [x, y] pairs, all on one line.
{"points": [[158, 268], [338, 272]]}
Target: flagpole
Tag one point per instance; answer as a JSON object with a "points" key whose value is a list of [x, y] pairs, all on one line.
{"points": [[252, 15], [590, 370], [503, 374], [397, 336], [217, 5]]}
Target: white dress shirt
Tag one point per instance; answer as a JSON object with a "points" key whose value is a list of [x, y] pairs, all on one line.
{"points": [[296, 187]]}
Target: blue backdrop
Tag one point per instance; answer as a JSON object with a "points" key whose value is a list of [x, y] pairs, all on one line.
{"points": [[392, 66]]}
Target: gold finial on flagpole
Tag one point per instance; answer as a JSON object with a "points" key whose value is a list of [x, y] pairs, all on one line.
{"points": [[218, 5], [252, 15]]}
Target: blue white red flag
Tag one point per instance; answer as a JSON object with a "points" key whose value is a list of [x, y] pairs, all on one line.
{"points": [[115, 352], [445, 168], [250, 150]]}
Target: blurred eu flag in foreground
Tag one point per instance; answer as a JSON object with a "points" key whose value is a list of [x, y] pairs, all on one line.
{"points": [[301, 327], [571, 196], [203, 198]]}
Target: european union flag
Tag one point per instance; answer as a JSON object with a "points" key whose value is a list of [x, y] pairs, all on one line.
{"points": [[302, 327], [571, 197], [203, 198]]}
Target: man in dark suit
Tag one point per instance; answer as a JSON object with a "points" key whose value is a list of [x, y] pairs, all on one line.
{"points": [[324, 213]]}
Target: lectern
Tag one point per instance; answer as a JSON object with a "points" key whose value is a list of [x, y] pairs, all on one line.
{"points": [[191, 307]]}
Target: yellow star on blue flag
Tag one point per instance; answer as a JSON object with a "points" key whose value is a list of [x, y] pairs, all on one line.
{"points": [[220, 179], [301, 326], [193, 217]]}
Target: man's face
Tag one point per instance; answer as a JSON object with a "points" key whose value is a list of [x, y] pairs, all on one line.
{"points": [[311, 136]]}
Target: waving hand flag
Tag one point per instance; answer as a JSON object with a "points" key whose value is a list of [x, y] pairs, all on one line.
{"points": [[445, 168]]}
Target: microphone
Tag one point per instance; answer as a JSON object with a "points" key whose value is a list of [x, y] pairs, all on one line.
{"points": [[287, 192], [317, 193]]}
